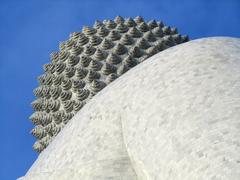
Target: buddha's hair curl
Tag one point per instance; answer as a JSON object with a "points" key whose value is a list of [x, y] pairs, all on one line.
{"points": [[87, 62]]}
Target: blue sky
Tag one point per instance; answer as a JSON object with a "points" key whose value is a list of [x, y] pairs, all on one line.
{"points": [[31, 30]]}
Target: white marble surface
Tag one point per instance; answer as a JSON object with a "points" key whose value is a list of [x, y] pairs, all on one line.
{"points": [[176, 116]]}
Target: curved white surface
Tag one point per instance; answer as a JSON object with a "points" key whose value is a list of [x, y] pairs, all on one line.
{"points": [[176, 116]]}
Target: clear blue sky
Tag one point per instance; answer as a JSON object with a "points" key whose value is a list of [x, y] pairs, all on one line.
{"points": [[31, 30]]}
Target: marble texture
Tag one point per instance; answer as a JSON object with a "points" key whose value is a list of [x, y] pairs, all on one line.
{"points": [[175, 116]]}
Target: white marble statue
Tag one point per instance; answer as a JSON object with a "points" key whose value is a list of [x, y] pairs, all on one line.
{"points": [[176, 116]]}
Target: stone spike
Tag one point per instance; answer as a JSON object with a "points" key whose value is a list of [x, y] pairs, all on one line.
{"points": [[85, 60], [50, 105], [95, 40], [108, 69], [110, 24], [63, 55], [143, 43], [81, 73], [113, 59], [48, 118], [119, 49], [138, 19], [46, 92], [48, 68], [97, 85], [75, 35], [50, 126], [78, 84], [99, 54], [184, 38], [56, 129], [98, 24], [130, 22], [106, 44], [82, 94], [73, 60], [54, 56], [160, 44], [54, 105], [55, 92], [82, 40], [76, 50], [119, 19], [114, 35], [160, 24], [65, 95], [45, 79], [36, 118], [152, 50], [149, 36], [69, 72], [143, 27], [45, 104], [69, 44], [37, 91], [91, 95], [92, 75], [130, 61], [66, 84], [57, 80], [68, 105], [37, 146], [78, 105], [122, 69], [126, 40], [152, 24], [174, 30], [38, 131], [135, 52], [168, 40], [102, 31], [111, 77], [41, 91], [45, 140], [122, 28], [105, 21], [62, 46], [58, 117], [158, 32], [57, 120], [66, 117], [176, 38], [37, 105], [134, 32], [88, 30], [166, 30], [89, 50]]}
